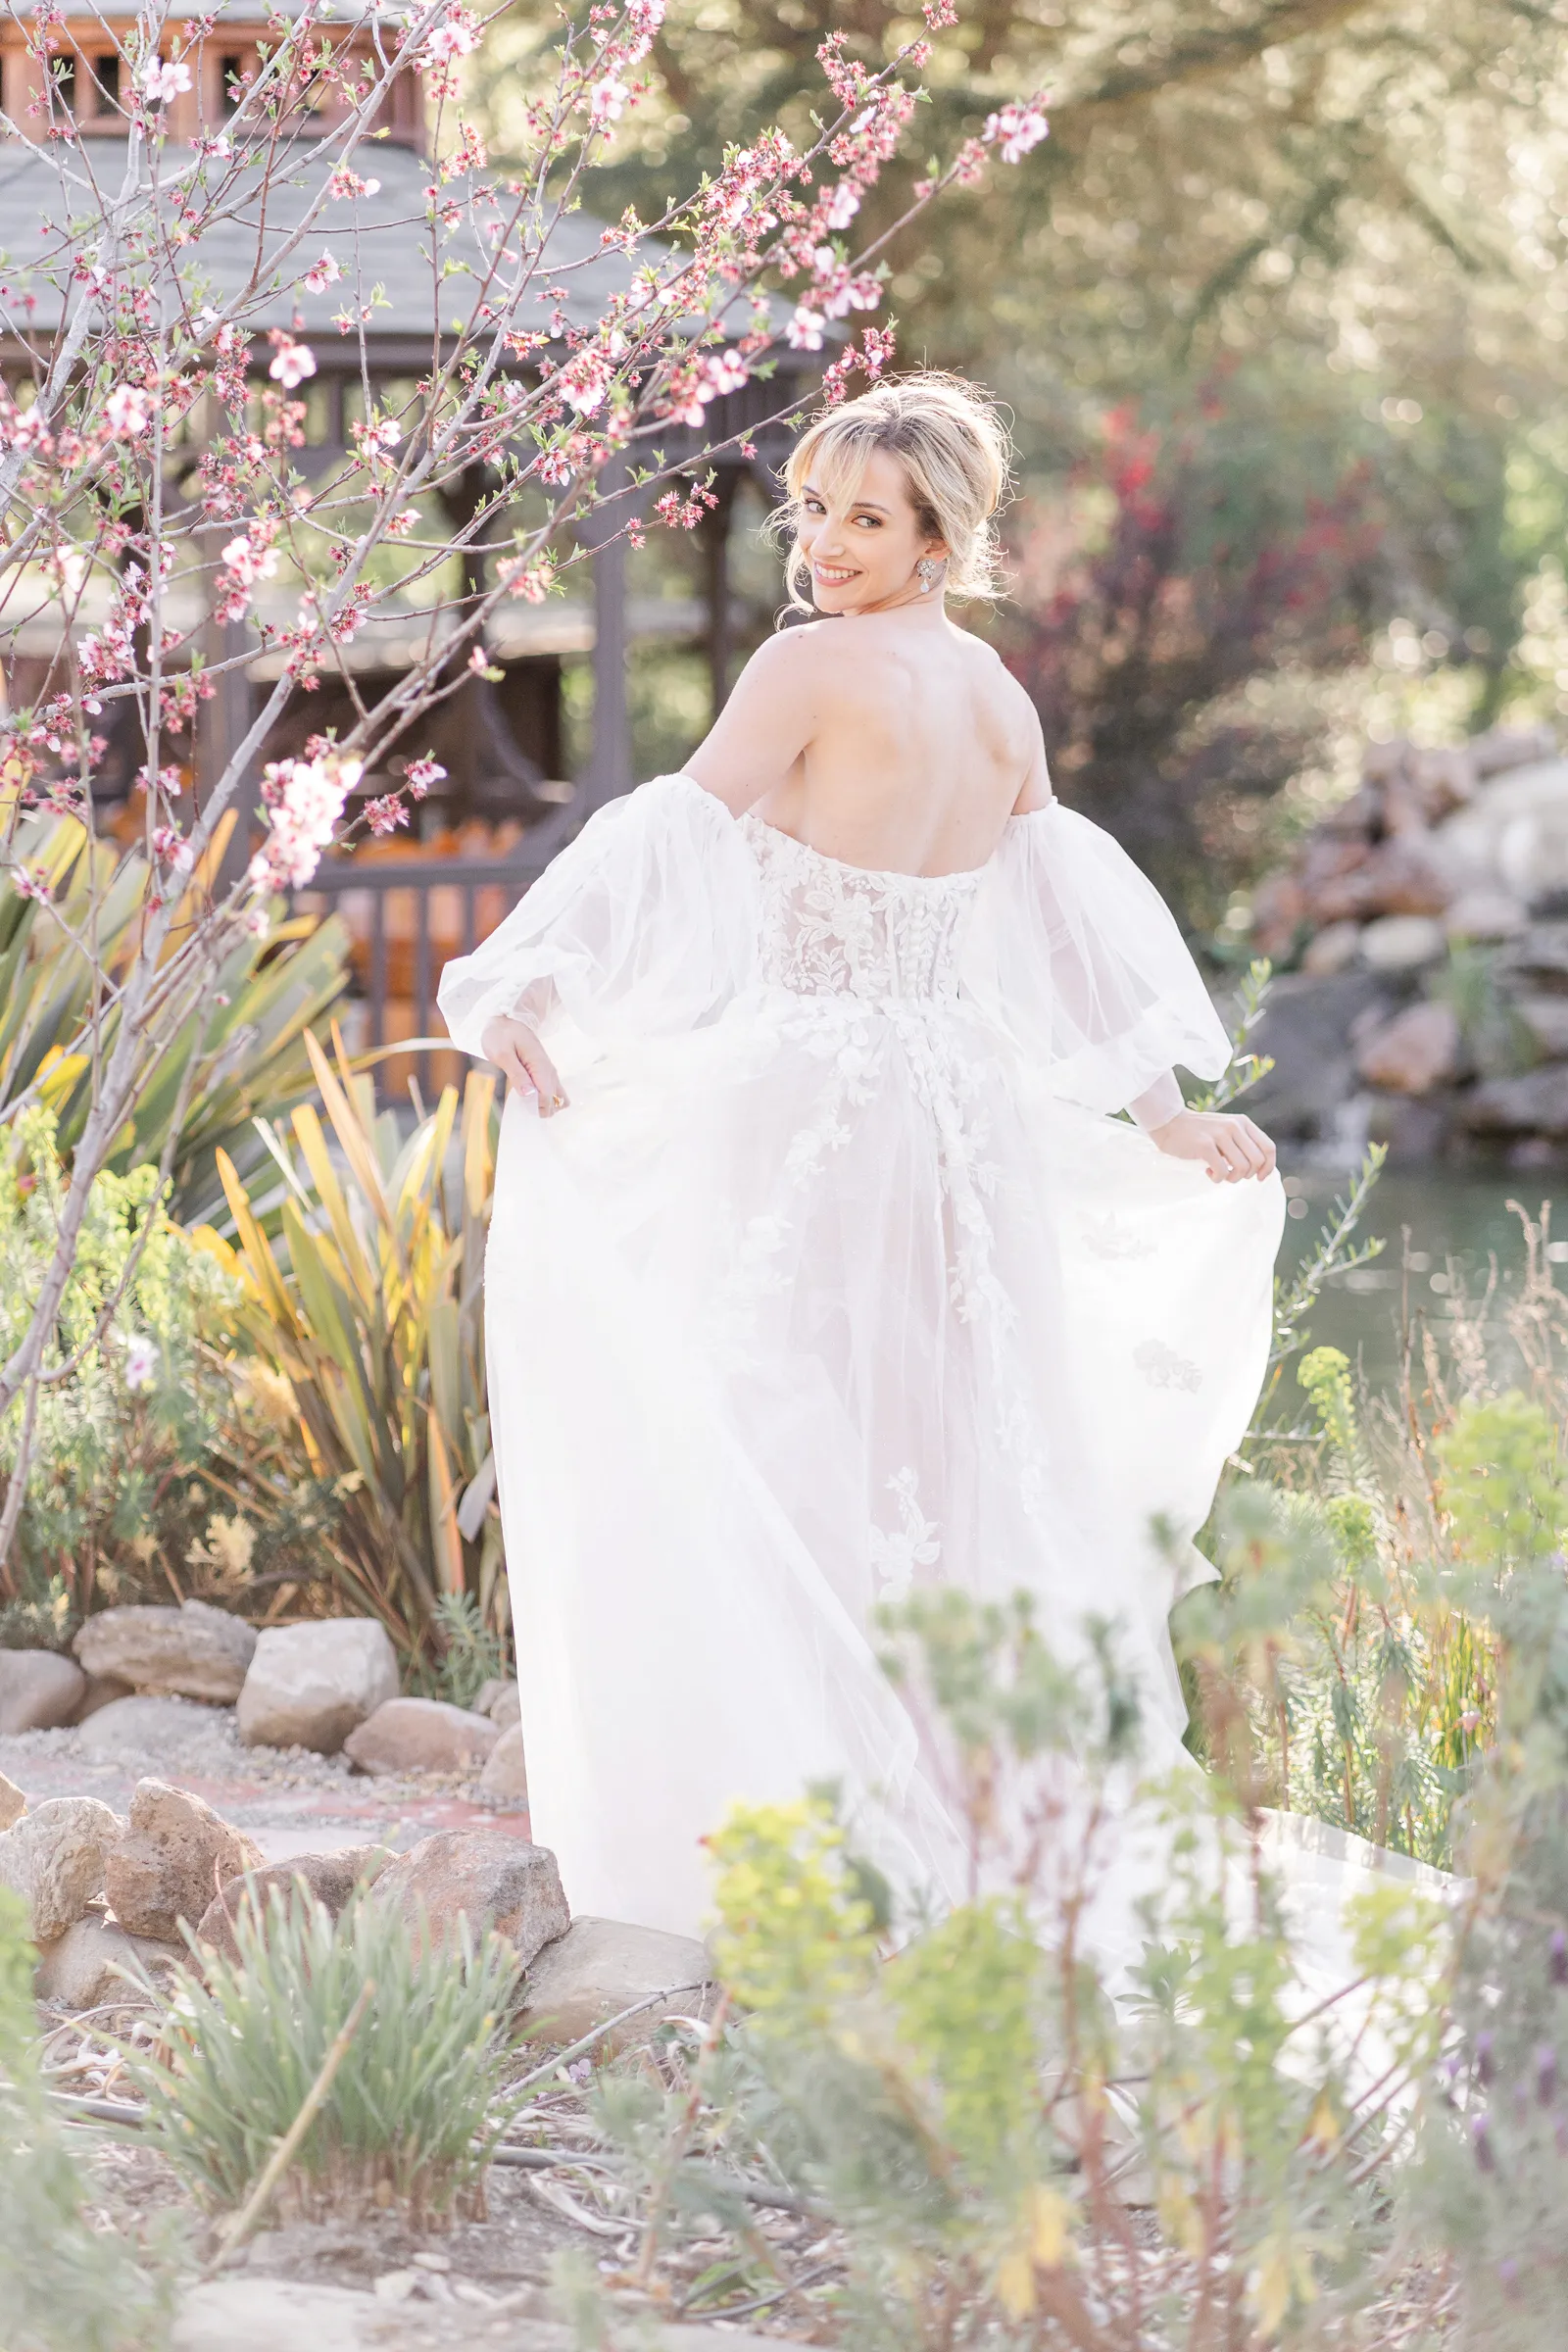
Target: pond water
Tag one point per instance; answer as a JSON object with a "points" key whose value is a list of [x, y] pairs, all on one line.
{"points": [[1456, 1224]]}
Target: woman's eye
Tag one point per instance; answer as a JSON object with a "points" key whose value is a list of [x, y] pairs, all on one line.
{"points": [[873, 523]]}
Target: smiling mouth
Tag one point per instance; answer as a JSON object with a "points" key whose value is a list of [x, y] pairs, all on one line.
{"points": [[833, 575]]}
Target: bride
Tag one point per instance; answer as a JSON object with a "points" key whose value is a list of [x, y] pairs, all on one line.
{"points": [[819, 1268]]}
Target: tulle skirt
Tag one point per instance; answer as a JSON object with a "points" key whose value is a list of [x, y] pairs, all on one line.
{"points": [[794, 1312]]}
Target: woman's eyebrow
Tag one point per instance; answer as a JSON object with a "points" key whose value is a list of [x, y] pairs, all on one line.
{"points": [[812, 491]]}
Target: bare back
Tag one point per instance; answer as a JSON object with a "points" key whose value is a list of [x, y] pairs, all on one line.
{"points": [[895, 741]]}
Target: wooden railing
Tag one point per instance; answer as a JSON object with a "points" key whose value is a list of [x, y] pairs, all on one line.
{"points": [[378, 880]]}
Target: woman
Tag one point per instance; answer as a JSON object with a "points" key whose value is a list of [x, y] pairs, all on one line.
{"points": [[818, 1269]]}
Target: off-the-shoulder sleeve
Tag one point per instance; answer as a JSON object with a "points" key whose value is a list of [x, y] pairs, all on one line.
{"points": [[646, 923], [1074, 955]]}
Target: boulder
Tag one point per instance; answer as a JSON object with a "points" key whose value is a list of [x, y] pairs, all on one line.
{"points": [[1486, 915], [499, 1701], [420, 1735], [309, 1686], [330, 1877], [102, 1690], [38, 1689], [54, 1860], [483, 1876], [1333, 951], [12, 1804], [194, 1651], [1402, 943], [172, 1860], [141, 1727], [1546, 1019], [1306, 1028], [1534, 1102], [80, 1969], [1502, 747], [1418, 1050], [601, 1967], [1514, 834], [1539, 953], [1402, 876], [505, 1777]]}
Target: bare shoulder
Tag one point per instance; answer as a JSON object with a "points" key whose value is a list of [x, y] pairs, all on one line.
{"points": [[791, 652]]}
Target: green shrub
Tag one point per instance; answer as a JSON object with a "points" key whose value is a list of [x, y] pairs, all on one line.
{"points": [[65, 2285], [405, 2122], [156, 1461]]}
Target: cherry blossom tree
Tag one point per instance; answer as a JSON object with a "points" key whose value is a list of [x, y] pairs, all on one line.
{"points": [[152, 416]]}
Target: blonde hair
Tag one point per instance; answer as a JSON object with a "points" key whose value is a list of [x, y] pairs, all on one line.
{"points": [[956, 455]]}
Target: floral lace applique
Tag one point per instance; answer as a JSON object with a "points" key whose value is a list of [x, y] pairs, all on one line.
{"points": [[1164, 1368], [1108, 1236], [914, 1544]]}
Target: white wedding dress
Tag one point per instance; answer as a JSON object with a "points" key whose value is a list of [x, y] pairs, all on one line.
{"points": [[837, 1279]]}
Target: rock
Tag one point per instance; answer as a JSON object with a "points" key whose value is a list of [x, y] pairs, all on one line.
{"points": [[420, 1735], [103, 1690], [1540, 954], [1485, 915], [1418, 1050], [1513, 834], [330, 1877], [1416, 1130], [1537, 1101], [1398, 877], [172, 1860], [499, 1699], [601, 1967], [1445, 780], [194, 1651], [1333, 951], [38, 1689], [505, 1777], [80, 1969], [1306, 1028], [1502, 747], [482, 1874], [54, 1860], [1546, 1019], [1402, 943], [12, 1804], [139, 1727], [309, 1686]]}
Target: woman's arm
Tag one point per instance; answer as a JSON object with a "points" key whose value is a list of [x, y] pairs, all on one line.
{"points": [[766, 725]]}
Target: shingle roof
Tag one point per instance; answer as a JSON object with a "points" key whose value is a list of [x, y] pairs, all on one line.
{"points": [[380, 241]]}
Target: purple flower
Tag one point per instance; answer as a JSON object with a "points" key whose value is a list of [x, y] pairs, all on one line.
{"points": [[1509, 2276], [1481, 2142], [1558, 1950], [1483, 2064], [1546, 2073]]}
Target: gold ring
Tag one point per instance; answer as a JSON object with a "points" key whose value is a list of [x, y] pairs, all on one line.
{"points": [[558, 1101]]}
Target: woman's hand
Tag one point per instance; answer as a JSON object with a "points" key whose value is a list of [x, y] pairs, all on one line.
{"points": [[1227, 1143], [514, 1050]]}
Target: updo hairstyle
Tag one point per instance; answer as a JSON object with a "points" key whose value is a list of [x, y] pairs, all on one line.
{"points": [[956, 455]]}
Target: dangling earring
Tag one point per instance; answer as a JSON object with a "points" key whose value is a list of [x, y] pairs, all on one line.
{"points": [[930, 569]]}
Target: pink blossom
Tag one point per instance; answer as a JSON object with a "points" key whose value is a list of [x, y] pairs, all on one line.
{"points": [[385, 815], [843, 203], [292, 361], [938, 13], [585, 379], [171, 846], [128, 412], [1016, 128], [422, 774], [525, 577], [252, 557], [304, 802], [344, 182], [458, 35], [29, 885], [607, 100], [171, 783], [159, 80], [555, 466], [321, 274], [805, 330]]}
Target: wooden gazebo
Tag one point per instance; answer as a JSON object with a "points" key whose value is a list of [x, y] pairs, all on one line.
{"points": [[500, 743]]}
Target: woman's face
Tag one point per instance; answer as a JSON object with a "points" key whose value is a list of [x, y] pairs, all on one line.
{"points": [[862, 547]]}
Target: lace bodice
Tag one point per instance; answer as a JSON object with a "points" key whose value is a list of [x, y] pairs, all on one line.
{"points": [[831, 929]]}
